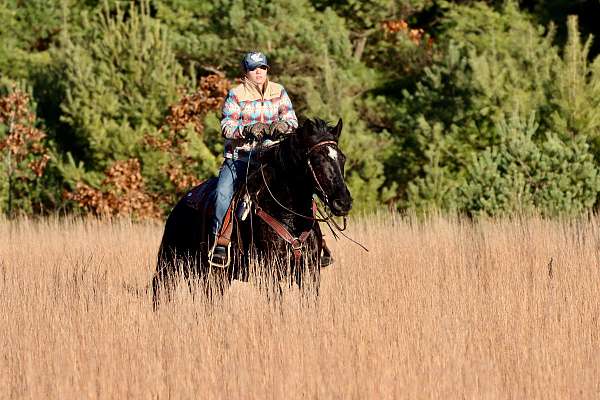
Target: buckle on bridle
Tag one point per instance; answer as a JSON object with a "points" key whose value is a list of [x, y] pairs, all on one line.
{"points": [[296, 244]]}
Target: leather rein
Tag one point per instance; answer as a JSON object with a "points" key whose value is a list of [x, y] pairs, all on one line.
{"points": [[297, 243]]}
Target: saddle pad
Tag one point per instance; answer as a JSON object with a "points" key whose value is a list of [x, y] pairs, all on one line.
{"points": [[201, 197]]}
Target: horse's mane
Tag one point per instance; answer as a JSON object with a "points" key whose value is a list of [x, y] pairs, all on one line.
{"points": [[319, 128]]}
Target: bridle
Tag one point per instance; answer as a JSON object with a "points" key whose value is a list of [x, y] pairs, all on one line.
{"points": [[297, 242], [312, 170], [327, 217], [323, 143]]}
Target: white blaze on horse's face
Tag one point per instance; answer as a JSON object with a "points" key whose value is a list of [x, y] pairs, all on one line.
{"points": [[332, 153]]}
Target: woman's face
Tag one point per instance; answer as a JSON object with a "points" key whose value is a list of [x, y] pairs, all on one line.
{"points": [[257, 75]]}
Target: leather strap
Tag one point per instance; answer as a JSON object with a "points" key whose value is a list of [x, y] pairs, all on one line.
{"points": [[224, 235], [296, 242], [323, 143]]}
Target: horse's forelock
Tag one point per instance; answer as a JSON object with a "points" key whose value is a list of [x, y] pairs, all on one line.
{"points": [[318, 127], [321, 126]]}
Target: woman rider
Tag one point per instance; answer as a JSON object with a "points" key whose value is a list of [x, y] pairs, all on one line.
{"points": [[254, 109]]}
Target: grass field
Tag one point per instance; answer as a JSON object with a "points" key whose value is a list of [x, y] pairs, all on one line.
{"points": [[441, 308]]}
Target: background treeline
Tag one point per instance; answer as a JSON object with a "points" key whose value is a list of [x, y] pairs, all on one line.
{"points": [[112, 107]]}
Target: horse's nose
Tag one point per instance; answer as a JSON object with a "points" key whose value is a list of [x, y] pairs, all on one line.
{"points": [[342, 206]]}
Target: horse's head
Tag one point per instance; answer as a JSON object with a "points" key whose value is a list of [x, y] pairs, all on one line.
{"points": [[318, 142]]}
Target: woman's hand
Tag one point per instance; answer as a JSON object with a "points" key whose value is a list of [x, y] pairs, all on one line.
{"points": [[278, 128], [257, 130]]}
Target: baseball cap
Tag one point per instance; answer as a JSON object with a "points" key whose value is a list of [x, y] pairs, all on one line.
{"points": [[253, 60]]}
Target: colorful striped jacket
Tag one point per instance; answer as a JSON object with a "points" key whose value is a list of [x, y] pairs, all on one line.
{"points": [[246, 105]]}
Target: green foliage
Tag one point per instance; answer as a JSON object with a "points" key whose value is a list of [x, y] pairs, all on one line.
{"points": [[440, 118], [27, 31], [434, 128], [451, 130], [519, 173], [548, 175], [121, 78], [556, 12], [575, 86], [510, 58]]}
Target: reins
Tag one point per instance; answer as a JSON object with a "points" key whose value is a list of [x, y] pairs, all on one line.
{"points": [[325, 217], [262, 172], [329, 220]]}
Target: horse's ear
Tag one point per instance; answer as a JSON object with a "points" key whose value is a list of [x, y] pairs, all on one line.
{"points": [[337, 130]]}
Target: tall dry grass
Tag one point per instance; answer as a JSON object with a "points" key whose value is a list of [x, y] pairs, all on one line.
{"points": [[440, 308]]}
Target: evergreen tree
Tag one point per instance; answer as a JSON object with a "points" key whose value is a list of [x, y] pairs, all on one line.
{"points": [[497, 63], [575, 83], [310, 54], [27, 32], [122, 76], [550, 175]]}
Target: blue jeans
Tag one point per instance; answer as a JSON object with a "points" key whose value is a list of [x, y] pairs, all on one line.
{"points": [[231, 175]]}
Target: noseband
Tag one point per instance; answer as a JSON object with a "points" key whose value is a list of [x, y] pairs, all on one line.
{"points": [[297, 243]]}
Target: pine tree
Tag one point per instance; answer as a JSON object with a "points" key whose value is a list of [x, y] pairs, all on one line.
{"points": [[551, 175], [498, 66], [309, 53], [121, 77], [575, 82]]}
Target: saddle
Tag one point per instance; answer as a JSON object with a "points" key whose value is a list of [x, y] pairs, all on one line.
{"points": [[201, 198]]}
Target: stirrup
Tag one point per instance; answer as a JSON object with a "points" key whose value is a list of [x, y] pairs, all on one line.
{"points": [[218, 264]]}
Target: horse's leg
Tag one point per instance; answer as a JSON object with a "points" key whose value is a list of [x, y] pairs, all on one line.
{"points": [[280, 270], [162, 289], [166, 268], [156, 290], [216, 280], [192, 273], [216, 283], [314, 273], [307, 271], [268, 273], [298, 268]]}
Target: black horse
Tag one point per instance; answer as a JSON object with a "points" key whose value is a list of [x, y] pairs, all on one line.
{"points": [[281, 230]]}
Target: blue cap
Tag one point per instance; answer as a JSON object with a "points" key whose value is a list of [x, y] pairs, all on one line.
{"points": [[253, 60]]}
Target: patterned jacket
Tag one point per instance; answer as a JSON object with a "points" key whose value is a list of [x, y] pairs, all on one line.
{"points": [[246, 105]]}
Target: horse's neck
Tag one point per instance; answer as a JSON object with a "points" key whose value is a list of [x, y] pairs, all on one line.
{"points": [[289, 184]]}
